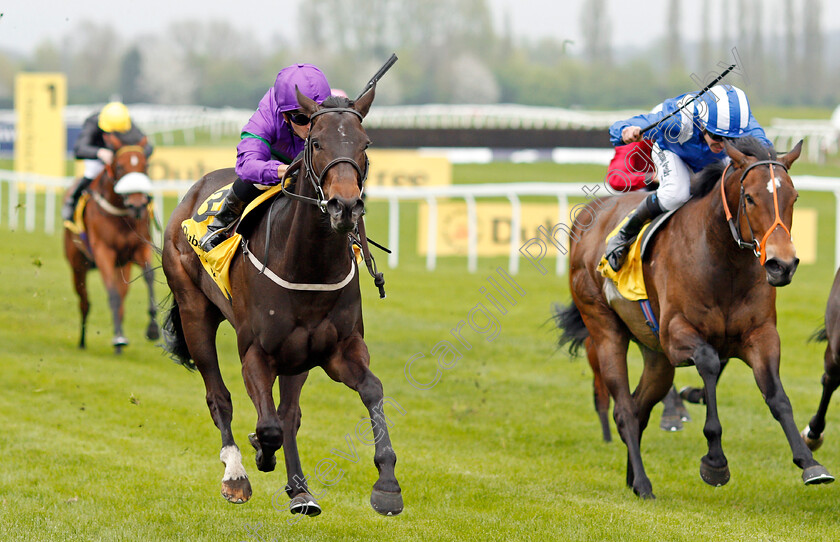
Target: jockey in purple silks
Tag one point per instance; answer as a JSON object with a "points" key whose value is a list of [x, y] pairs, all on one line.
{"points": [[273, 137]]}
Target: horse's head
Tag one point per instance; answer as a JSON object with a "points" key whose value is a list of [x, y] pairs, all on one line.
{"points": [[128, 169], [335, 157], [766, 208]]}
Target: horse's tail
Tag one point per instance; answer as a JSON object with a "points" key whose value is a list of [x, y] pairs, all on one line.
{"points": [[570, 322], [819, 336], [174, 341]]}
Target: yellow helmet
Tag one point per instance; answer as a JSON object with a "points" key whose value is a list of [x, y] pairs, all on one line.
{"points": [[114, 118]]}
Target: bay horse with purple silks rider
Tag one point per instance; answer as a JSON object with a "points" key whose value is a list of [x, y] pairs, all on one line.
{"points": [[283, 329], [830, 334], [713, 300], [117, 232]]}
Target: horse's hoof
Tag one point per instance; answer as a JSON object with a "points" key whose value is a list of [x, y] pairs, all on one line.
{"points": [[685, 417], [816, 475], [671, 423], [304, 503], [236, 491], [153, 332], [714, 476], [119, 340], [812, 442], [386, 503], [264, 464]]}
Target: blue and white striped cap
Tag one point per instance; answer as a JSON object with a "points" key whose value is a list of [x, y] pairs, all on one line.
{"points": [[723, 110]]}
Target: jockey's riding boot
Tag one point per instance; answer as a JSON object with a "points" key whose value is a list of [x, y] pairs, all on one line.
{"points": [[69, 208], [617, 246], [227, 214]]}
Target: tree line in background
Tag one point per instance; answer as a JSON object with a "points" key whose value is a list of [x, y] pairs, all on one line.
{"points": [[450, 52]]}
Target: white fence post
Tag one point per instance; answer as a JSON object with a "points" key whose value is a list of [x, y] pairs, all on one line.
{"points": [[472, 234], [515, 233], [431, 233], [13, 203], [393, 232], [562, 214]]}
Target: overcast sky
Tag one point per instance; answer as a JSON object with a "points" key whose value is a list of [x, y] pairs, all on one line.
{"points": [[24, 23]]}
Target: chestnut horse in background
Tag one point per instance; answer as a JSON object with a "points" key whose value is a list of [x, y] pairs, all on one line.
{"points": [[294, 305], [712, 299], [830, 333], [117, 230]]}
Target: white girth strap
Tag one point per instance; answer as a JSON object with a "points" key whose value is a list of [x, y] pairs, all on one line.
{"points": [[108, 207], [297, 285]]}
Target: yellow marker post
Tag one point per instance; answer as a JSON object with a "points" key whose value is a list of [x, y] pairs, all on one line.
{"points": [[40, 137], [40, 132]]}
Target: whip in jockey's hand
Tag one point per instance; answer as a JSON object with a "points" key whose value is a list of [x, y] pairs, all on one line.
{"points": [[631, 134]]}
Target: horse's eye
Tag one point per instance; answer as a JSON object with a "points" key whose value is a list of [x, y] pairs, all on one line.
{"points": [[749, 199], [367, 145], [315, 144]]}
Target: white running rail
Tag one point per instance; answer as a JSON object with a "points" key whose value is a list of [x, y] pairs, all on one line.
{"points": [[50, 189]]}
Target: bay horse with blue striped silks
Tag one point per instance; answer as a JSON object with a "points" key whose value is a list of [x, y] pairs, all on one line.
{"points": [[117, 233], [293, 304], [712, 298]]}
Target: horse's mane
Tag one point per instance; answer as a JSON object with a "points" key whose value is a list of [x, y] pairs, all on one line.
{"points": [[704, 181]]}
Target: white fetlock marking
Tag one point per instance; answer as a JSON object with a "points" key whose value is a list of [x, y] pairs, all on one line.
{"points": [[232, 459]]}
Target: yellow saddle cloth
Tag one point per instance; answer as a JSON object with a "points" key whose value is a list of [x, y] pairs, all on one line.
{"points": [[217, 261], [77, 225], [629, 280]]}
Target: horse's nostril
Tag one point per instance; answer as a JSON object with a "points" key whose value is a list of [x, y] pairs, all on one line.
{"points": [[335, 207], [358, 208], [773, 266]]}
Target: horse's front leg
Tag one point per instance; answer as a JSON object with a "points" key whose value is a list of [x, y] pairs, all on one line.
{"points": [[714, 468], [351, 366], [303, 502], [116, 284], [259, 376], [152, 331], [762, 352]]}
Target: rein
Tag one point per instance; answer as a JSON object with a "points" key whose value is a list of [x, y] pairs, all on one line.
{"points": [[320, 201], [756, 245]]}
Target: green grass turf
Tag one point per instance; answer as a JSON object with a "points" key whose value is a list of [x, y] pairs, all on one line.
{"points": [[506, 446]]}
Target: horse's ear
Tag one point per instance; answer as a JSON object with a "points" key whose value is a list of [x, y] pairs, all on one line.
{"points": [[791, 156], [739, 159], [112, 141], [362, 105], [307, 105]]}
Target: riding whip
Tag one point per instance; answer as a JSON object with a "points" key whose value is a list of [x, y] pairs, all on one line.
{"points": [[689, 102], [378, 75]]}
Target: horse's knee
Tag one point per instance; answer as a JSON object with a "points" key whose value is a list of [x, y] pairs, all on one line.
{"points": [[270, 435], [291, 419], [706, 360], [370, 389]]}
